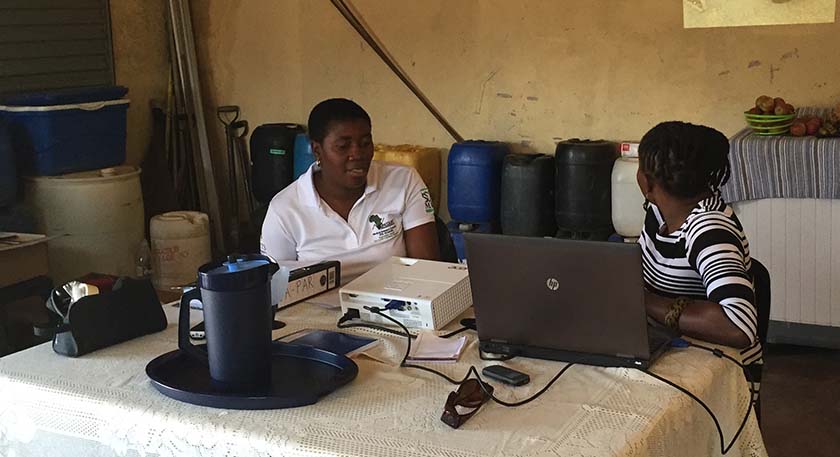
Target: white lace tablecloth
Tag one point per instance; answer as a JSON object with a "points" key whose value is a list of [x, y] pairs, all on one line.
{"points": [[103, 404]]}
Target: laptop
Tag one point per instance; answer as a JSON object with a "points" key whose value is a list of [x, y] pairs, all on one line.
{"points": [[567, 300]]}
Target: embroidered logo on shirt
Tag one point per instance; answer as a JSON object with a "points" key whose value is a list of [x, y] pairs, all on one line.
{"points": [[384, 226], [424, 192]]}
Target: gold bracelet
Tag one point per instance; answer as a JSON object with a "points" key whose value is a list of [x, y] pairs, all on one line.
{"points": [[672, 317]]}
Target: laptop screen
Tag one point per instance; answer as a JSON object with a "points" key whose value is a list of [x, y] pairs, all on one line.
{"points": [[556, 294]]}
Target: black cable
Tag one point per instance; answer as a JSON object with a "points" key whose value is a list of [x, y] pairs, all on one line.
{"points": [[718, 353], [454, 332], [471, 371]]}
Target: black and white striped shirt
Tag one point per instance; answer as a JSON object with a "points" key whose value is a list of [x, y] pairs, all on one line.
{"points": [[707, 258]]}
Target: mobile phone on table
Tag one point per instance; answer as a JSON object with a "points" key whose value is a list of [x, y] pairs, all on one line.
{"points": [[197, 331], [506, 375]]}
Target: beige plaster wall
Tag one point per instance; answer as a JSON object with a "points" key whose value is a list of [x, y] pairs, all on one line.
{"points": [[141, 61], [530, 72]]}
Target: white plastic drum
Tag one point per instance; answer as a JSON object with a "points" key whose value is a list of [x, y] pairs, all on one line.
{"points": [[627, 214], [180, 244], [99, 215]]}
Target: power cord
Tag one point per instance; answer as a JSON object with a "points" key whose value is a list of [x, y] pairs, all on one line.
{"points": [[471, 371], [718, 353]]}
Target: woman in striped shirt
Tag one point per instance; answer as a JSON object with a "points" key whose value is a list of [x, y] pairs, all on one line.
{"points": [[695, 254]]}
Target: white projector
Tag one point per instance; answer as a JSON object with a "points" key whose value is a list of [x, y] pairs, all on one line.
{"points": [[417, 293]]}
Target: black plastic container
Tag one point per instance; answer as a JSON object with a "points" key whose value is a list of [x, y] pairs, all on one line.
{"points": [[583, 188], [527, 204], [272, 147]]}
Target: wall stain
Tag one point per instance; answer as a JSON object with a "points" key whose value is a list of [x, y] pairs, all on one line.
{"points": [[532, 98], [483, 90], [788, 55], [754, 63], [724, 73], [513, 114], [503, 95]]}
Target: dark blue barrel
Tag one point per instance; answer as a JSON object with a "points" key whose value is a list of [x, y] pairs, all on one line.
{"points": [[527, 207], [272, 147], [457, 230], [303, 156], [582, 188], [474, 180], [8, 172]]}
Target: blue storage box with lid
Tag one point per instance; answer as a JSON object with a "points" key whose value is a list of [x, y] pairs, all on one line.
{"points": [[67, 130]]}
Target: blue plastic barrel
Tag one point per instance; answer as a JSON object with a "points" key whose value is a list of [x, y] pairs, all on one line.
{"points": [[302, 153], [8, 172], [474, 180], [457, 230]]}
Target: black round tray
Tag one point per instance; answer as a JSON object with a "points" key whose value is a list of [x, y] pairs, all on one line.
{"points": [[299, 376]]}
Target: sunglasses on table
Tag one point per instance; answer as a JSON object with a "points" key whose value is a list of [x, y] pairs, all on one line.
{"points": [[463, 403]]}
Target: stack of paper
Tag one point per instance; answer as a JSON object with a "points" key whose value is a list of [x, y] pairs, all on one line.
{"points": [[429, 347]]}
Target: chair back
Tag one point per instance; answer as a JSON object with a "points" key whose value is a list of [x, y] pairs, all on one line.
{"points": [[761, 280], [445, 243]]}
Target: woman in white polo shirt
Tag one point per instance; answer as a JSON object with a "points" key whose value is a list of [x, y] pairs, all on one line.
{"points": [[347, 207]]}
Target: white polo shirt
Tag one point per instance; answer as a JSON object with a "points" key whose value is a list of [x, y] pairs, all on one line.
{"points": [[300, 226]]}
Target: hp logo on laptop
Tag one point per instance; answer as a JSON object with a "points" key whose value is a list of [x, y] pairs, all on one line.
{"points": [[552, 283]]}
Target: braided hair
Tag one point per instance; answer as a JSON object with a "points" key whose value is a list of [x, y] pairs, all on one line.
{"points": [[687, 160]]}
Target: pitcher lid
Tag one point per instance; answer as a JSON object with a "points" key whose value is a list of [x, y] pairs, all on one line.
{"points": [[237, 272]]}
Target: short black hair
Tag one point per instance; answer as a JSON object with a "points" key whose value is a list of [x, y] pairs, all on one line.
{"points": [[686, 159], [332, 110]]}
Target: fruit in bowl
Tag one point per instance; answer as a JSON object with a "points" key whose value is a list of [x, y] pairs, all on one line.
{"points": [[770, 116]]}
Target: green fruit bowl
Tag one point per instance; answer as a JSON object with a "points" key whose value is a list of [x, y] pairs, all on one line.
{"points": [[769, 124]]}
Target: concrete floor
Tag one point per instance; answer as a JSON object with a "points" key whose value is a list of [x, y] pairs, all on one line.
{"points": [[801, 401]]}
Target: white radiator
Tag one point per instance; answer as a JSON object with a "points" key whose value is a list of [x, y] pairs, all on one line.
{"points": [[798, 240]]}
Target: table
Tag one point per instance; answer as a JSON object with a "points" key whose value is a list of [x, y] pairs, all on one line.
{"points": [[103, 404], [783, 166]]}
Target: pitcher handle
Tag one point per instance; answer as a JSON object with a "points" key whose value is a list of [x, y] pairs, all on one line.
{"points": [[184, 342]]}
